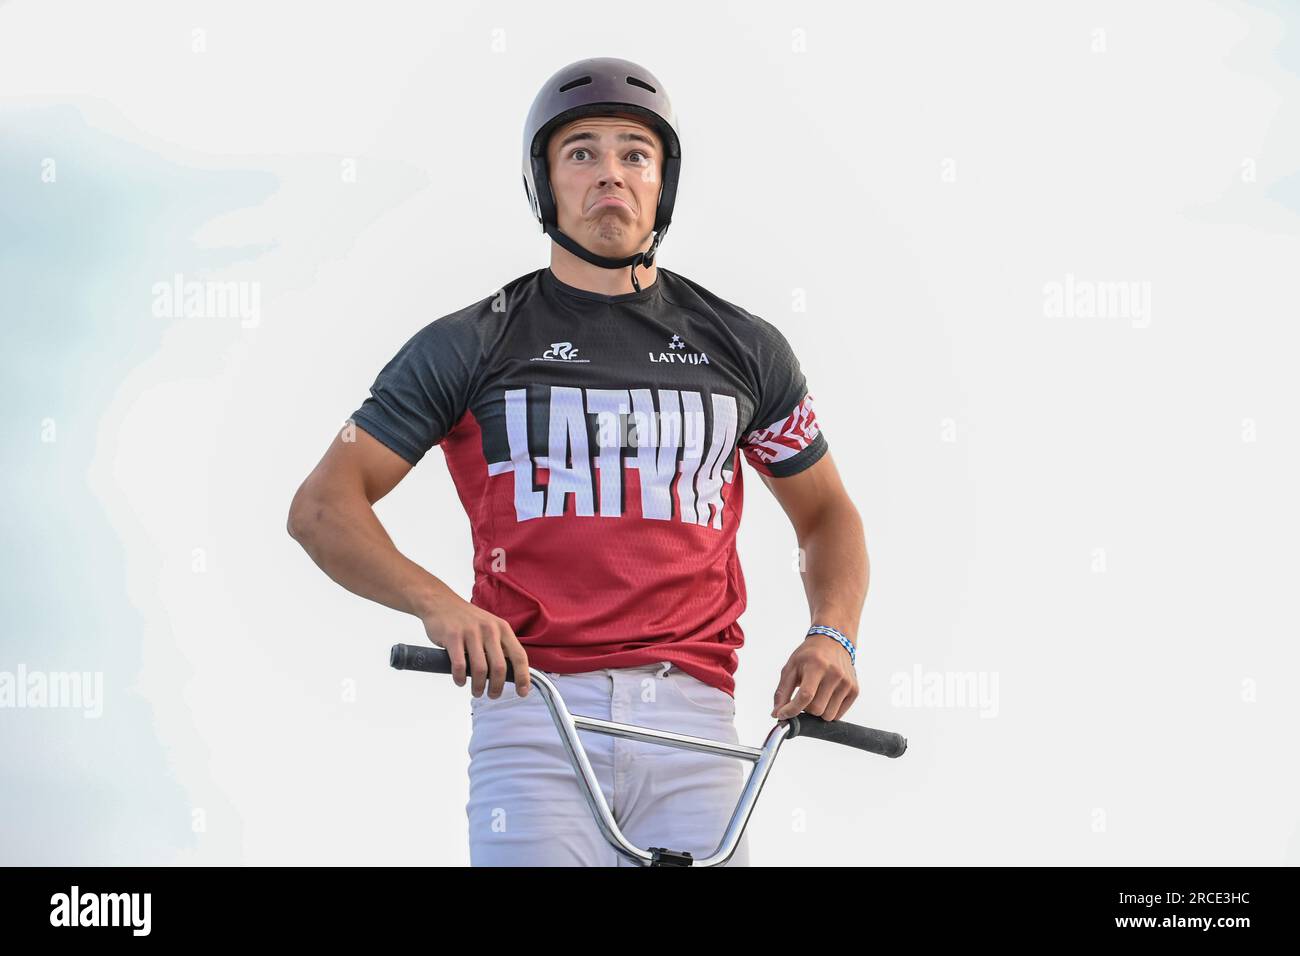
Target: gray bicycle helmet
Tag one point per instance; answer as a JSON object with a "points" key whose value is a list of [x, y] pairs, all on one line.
{"points": [[595, 87]]}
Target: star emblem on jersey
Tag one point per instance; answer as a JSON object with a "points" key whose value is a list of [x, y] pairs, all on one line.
{"points": [[674, 355]]}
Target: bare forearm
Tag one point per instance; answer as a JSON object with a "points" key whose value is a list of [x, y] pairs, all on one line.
{"points": [[836, 571], [345, 538]]}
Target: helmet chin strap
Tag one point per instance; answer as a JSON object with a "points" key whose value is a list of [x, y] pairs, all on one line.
{"points": [[643, 259]]}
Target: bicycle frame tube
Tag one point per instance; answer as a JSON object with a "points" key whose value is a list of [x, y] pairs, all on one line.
{"points": [[568, 725]]}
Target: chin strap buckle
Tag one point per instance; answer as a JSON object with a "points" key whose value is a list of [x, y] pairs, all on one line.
{"points": [[646, 259]]}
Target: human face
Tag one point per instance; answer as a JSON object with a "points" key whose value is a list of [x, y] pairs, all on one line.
{"points": [[605, 179]]}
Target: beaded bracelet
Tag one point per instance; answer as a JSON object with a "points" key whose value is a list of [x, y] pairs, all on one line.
{"points": [[836, 635]]}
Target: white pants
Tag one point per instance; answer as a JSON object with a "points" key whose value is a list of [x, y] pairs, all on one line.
{"points": [[526, 805]]}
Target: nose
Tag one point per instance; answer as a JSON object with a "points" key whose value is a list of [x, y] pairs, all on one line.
{"points": [[610, 170]]}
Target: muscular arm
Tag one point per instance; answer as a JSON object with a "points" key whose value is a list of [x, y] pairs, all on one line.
{"points": [[836, 570], [333, 519], [835, 575]]}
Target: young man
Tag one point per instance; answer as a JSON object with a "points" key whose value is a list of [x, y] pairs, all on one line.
{"points": [[593, 416]]}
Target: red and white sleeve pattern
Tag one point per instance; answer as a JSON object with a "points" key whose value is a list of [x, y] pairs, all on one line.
{"points": [[773, 448]]}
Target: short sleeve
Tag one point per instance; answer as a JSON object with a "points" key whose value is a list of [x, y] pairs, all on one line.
{"points": [[421, 394], [783, 438]]}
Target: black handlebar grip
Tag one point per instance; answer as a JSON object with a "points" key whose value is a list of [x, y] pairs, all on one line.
{"points": [[431, 660], [881, 742]]}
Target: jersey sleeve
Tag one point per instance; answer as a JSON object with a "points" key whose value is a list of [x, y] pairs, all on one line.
{"points": [[783, 438], [422, 393]]}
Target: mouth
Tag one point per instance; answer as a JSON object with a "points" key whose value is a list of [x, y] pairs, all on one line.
{"points": [[609, 201]]}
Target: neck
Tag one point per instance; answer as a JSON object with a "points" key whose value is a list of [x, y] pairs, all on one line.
{"points": [[581, 274]]}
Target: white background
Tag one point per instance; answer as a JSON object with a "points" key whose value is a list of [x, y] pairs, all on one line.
{"points": [[1095, 515]]}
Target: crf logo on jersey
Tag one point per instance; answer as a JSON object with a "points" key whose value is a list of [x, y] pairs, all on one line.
{"points": [[560, 352], [681, 444]]}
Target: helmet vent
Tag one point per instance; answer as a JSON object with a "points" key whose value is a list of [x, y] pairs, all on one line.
{"points": [[573, 84], [633, 81]]}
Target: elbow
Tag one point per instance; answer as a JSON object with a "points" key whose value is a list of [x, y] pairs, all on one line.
{"points": [[302, 514]]}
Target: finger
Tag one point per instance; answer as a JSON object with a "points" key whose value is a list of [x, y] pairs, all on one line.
{"points": [[827, 691], [795, 706], [455, 648], [785, 688], [839, 703], [848, 702], [518, 660], [496, 661], [805, 696], [477, 663]]}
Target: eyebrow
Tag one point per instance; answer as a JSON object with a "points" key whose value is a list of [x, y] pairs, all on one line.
{"points": [[622, 138]]}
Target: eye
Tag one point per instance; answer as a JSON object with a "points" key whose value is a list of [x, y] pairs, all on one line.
{"points": [[637, 152], [580, 149]]}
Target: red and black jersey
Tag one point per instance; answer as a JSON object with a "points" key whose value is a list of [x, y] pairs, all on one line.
{"points": [[595, 443]]}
